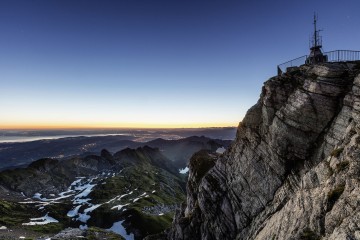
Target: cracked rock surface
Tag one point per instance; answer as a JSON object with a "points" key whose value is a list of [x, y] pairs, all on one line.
{"points": [[293, 170]]}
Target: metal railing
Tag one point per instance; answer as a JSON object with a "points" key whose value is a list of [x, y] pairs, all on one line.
{"points": [[343, 55], [332, 56], [293, 63]]}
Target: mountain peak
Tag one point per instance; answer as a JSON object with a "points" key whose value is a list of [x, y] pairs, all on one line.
{"points": [[287, 175]]}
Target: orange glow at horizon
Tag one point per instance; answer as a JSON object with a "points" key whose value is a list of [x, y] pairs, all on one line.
{"points": [[43, 126]]}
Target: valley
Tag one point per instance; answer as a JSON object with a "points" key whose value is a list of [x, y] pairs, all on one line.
{"points": [[131, 193]]}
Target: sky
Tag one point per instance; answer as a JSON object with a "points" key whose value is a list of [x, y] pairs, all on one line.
{"points": [[152, 63]]}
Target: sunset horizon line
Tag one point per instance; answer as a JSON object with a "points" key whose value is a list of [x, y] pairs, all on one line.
{"points": [[118, 127]]}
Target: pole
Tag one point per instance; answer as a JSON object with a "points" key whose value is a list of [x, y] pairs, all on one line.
{"points": [[315, 35]]}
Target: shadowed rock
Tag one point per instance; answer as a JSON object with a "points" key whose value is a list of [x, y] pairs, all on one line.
{"points": [[279, 179]]}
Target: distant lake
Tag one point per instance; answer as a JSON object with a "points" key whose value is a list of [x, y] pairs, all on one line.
{"points": [[140, 135], [12, 139]]}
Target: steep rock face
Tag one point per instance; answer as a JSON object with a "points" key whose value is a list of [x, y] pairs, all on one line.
{"points": [[293, 170]]}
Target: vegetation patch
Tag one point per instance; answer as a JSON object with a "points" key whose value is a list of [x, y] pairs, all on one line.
{"points": [[309, 234], [13, 214], [59, 211], [331, 171], [46, 228], [150, 186], [337, 152], [149, 224], [334, 195], [342, 166], [103, 217], [94, 233]]}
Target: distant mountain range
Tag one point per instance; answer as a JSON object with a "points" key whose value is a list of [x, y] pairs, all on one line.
{"points": [[133, 192], [19, 154], [118, 191]]}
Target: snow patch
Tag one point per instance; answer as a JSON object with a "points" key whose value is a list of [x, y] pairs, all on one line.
{"points": [[3, 228], [119, 207], [83, 217], [111, 200], [86, 190], [118, 228], [81, 201], [41, 220], [74, 212], [124, 195], [83, 227], [52, 200], [38, 196], [90, 209], [76, 182], [119, 197], [62, 194], [184, 170], [220, 150]]}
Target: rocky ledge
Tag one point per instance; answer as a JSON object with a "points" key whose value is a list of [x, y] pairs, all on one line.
{"points": [[293, 170]]}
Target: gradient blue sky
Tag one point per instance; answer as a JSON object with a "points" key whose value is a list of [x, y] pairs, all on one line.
{"points": [[152, 63]]}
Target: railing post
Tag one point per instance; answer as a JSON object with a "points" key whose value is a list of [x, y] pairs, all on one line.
{"points": [[332, 56]]}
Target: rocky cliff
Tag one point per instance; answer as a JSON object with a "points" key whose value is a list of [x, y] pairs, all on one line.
{"points": [[293, 170]]}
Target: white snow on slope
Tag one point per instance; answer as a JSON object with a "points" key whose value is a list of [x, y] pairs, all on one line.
{"points": [[79, 190], [119, 207], [74, 212], [83, 217], [85, 190], [83, 187], [41, 220], [119, 197], [184, 170], [51, 200], [119, 229], [220, 150], [92, 208]]}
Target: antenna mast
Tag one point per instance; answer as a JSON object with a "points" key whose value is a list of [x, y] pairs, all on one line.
{"points": [[316, 54], [315, 33]]}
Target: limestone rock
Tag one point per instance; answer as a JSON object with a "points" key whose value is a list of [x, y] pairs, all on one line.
{"points": [[293, 170]]}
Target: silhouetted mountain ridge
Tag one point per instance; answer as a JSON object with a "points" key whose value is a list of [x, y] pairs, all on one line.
{"points": [[14, 155]]}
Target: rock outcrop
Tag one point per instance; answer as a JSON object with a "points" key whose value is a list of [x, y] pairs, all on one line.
{"points": [[293, 171]]}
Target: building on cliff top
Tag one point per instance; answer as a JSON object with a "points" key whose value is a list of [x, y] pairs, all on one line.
{"points": [[316, 55]]}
